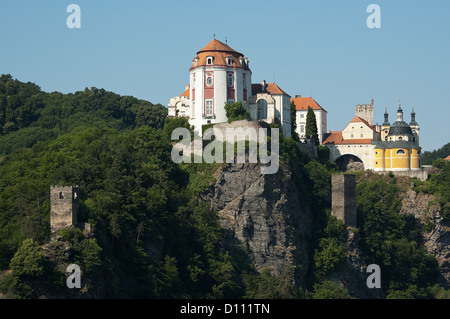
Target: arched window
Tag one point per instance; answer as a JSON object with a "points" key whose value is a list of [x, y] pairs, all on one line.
{"points": [[230, 81], [400, 152]]}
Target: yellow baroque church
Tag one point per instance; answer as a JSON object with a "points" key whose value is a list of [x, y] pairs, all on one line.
{"points": [[379, 148], [398, 149]]}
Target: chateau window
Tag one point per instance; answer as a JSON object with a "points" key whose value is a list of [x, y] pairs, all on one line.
{"points": [[400, 138], [302, 115], [61, 195], [399, 152], [230, 80], [209, 107], [209, 60], [209, 80], [229, 61], [302, 129]]}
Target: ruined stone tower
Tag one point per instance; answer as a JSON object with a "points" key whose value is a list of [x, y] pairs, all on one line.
{"points": [[64, 204], [343, 198]]}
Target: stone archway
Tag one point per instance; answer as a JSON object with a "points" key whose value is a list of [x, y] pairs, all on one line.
{"points": [[350, 162]]}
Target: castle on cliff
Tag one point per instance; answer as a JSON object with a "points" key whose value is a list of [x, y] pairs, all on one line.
{"points": [[219, 75]]}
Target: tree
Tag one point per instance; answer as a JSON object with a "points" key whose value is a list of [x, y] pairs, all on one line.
{"points": [[235, 112], [311, 126], [29, 260], [429, 157], [294, 123]]}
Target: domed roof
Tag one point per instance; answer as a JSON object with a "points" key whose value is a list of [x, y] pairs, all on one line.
{"points": [[216, 45], [400, 128], [220, 52]]}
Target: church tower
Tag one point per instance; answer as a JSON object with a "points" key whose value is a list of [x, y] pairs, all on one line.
{"points": [[385, 126], [414, 126]]}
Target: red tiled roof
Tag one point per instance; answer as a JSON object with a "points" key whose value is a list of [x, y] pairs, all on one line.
{"points": [[335, 137], [357, 141], [357, 119], [186, 93], [219, 51], [216, 45], [271, 88], [302, 103], [447, 158]]}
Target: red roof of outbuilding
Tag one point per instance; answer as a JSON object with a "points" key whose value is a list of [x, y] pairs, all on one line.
{"points": [[302, 103], [271, 88]]}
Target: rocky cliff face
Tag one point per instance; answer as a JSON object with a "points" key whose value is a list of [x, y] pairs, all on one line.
{"points": [[263, 215], [435, 232]]}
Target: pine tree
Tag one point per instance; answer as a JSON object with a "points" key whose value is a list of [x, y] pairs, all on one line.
{"points": [[311, 126], [294, 123]]}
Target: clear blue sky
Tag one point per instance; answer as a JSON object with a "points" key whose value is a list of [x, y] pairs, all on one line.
{"points": [[318, 48]]}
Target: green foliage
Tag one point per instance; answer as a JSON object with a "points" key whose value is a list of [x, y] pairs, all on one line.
{"points": [[154, 238], [331, 254], [323, 153], [267, 286], [311, 126], [28, 115], [391, 241], [293, 116], [321, 186], [235, 112], [439, 185], [329, 290], [29, 267], [29, 260], [428, 158]]}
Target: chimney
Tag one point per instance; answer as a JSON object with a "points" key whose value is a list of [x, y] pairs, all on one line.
{"points": [[186, 87], [263, 85], [298, 95]]}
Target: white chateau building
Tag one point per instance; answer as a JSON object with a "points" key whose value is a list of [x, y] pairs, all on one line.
{"points": [[221, 75], [301, 110]]}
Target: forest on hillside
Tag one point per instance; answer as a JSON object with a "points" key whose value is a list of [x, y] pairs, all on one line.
{"points": [[153, 238]]}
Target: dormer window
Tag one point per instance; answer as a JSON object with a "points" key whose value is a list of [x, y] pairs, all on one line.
{"points": [[209, 60], [229, 61]]}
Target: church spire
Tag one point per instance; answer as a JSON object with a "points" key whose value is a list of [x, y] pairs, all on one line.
{"points": [[399, 112], [386, 117], [413, 118]]}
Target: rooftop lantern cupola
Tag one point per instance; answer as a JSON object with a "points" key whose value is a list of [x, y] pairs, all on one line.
{"points": [[399, 114], [413, 118], [386, 117]]}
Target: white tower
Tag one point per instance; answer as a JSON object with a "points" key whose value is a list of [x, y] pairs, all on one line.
{"points": [[218, 75]]}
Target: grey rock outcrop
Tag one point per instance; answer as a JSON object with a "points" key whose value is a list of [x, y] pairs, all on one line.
{"points": [[263, 215], [435, 234]]}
